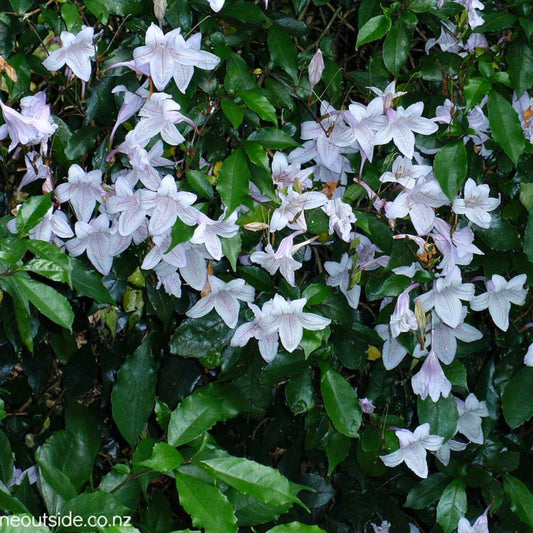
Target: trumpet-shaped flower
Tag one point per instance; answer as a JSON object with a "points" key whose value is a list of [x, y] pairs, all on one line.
{"points": [[481, 525], [413, 449], [36, 169], [470, 413], [291, 211], [287, 175], [430, 380], [405, 173], [224, 298], [76, 51], [476, 204], [341, 218], [403, 319], [82, 190], [209, 232], [339, 275], [167, 56], [499, 297]]}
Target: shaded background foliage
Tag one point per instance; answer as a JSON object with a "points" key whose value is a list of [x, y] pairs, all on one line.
{"points": [[92, 405]]}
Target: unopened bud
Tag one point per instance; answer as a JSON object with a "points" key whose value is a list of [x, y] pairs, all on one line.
{"points": [[420, 315], [160, 6], [256, 226], [316, 68]]}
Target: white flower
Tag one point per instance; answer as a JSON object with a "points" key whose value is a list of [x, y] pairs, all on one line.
{"points": [[446, 296], [405, 173], [340, 275], [499, 297], [170, 56], [476, 204], [341, 218], [474, 19], [470, 413], [209, 232], [36, 169], [401, 126], [224, 298], [82, 190], [76, 51], [316, 68], [403, 319], [413, 448], [528, 358], [131, 104], [443, 453], [286, 175], [290, 212], [481, 525], [383, 528], [430, 380], [281, 260]]}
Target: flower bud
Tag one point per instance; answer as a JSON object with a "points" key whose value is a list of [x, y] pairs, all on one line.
{"points": [[316, 68], [160, 6]]}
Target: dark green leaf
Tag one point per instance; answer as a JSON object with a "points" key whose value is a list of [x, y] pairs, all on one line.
{"points": [[451, 168], [233, 180], [528, 237], [6, 459], [273, 138], [520, 497], [164, 458], [87, 282], [259, 103], [295, 527], [427, 491], [475, 90], [300, 393], [282, 51], [452, 506], [31, 212], [341, 403], [520, 58], [200, 183], [441, 415], [372, 30], [81, 142], [517, 398], [396, 48], [133, 396]]}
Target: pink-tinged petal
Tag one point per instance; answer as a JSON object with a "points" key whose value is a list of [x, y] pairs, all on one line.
{"points": [[393, 353], [55, 60], [243, 334], [444, 344], [194, 272], [268, 347], [448, 307], [83, 202], [164, 216], [161, 67], [313, 322], [152, 258], [290, 332], [76, 246], [201, 307], [415, 457], [130, 221], [98, 253], [227, 307], [392, 459], [499, 308], [80, 64]]}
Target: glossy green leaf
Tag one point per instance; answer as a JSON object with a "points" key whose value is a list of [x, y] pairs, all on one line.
{"points": [[282, 50], [208, 507], [87, 282], [451, 168], [273, 138], [164, 458], [517, 398], [296, 527], [233, 112], [200, 183], [80, 142], [520, 497], [202, 410], [528, 237], [452, 506], [300, 392], [520, 59], [427, 491], [6, 459], [254, 479], [133, 396], [441, 415], [233, 180], [396, 48], [23, 522], [475, 90], [505, 126], [31, 212], [259, 103], [91, 504], [341, 403], [337, 449], [372, 30]]}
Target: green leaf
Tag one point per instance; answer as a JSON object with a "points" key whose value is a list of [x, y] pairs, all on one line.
{"points": [[341, 403], [201, 410], [517, 398], [200, 183], [87, 282], [452, 506], [295, 527], [259, 103], [81, 142], [6, 459], [71, 16], [441, 415], [451, 168], [526, 195], [273, 138], [233, 180], [475, 90], [520, 59], [238, 76], [372, 30], [300, 393], [396, 48], [254, 479], [164, 458], [22, 522], [257, 155], [12, 504], [208, 507], [133, 396], [21, 307], [386, 284], [282, 51], [528, 237], [337, 449], [505, 126], [520, 497], [427, 491], [31, 212], [46, 251], [47, 269], [94, 504], [233, 112], [47, 300]]}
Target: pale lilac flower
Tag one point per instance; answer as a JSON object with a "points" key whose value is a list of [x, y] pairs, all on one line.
{"points": [[31, 473], [401, 126], [367, 406], [53, 227], [33, 125], [36, 169], [281, 260], [448, 40], [132, 103], [430, 380], [288, 175], [316, 68], [194, 272], [291, 211], [445, 112], [528, 358], [167, 204], [76, 51], [444, 338], [216, 5], [393, 351], [209, 232], [94, 238], [388, 95], [403, 319], [457, 248], [158, 116], [481, 525], [499, 297], [341, 218], [82, 190], [383, 528], [413, 449], [405, 173], [479, 127], [339, 275], [288, 319], [476, 204], [170, 56], [471, 6], [443, 453], [160, 7], [168, 278], [446, 296], [268, 341], [470, 413], [224, 298]]}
